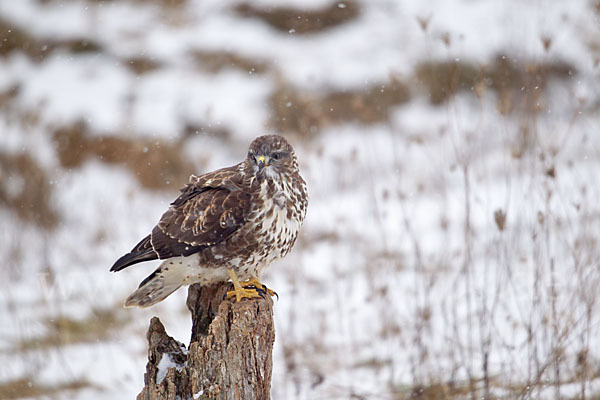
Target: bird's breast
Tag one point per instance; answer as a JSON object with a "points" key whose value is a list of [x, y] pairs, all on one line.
{"points": [[278, 218]]}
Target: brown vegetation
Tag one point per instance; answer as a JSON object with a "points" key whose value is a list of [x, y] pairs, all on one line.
{"points": [[63, 330], [302, 21], [28, 388], [304, 112], [213, 61], [141, 65], [518, 83], [155, 163], [25, 188], [16, 39]]}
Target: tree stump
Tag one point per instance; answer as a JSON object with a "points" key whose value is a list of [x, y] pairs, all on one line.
{"points": [[230, 355]]}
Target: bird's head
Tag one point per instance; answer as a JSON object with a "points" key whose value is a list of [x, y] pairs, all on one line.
{"points": [[270, 157]]}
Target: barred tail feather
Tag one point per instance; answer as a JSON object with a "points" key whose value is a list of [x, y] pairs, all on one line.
{"points": [[156, 287]]}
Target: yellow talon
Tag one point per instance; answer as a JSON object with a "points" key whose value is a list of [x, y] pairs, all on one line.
{"points": [[242, 293], [259, 286], [250, 289]]}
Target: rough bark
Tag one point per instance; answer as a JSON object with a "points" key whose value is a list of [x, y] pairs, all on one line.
{"points": [[229, 356]]}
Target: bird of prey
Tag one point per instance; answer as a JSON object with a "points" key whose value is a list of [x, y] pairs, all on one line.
{"points": [[227, 224]]}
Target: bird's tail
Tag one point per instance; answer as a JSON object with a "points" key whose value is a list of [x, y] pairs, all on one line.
{"points": [[156, 287], [143, 251]]}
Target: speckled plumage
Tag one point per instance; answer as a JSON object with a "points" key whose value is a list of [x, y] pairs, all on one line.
{"points": [[242, 218]]}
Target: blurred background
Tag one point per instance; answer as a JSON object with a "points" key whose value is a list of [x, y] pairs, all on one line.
{"points": [[452, 154]]}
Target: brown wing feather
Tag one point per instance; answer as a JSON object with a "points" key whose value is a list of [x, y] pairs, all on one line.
{"points": [[207, 212], [209, 209]]}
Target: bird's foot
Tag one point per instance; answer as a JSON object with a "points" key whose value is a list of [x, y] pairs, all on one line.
{"points": [[256, 284], [245, 293], [250, 289]]}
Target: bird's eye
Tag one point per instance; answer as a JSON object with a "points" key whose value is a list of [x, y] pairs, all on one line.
{"points": [[276, 156]]}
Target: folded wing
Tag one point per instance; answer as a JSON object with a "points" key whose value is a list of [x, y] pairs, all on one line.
{"points": [[208, 211]]}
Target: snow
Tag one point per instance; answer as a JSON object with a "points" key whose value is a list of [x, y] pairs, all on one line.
{"points": [[68, 89], [169, 98], [197, 395], [166, 362], [400, 273]]}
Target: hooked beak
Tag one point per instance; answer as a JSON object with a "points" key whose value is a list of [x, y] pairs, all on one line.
{"points": [[262, 161]]}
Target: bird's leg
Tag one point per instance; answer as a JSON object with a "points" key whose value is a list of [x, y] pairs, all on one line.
{"points": [[240, 292], [258, 285]]}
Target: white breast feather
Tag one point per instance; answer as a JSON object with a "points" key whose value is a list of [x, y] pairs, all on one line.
{"points": [[285, 229]]}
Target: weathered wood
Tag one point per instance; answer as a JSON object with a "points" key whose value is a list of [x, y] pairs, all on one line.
{"points": [[229, 356]]}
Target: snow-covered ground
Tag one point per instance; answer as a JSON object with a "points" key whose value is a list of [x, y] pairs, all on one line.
{"points": [[450, 249]]}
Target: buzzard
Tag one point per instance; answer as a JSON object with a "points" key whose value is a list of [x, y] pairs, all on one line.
{"points": [[227, 224]]}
